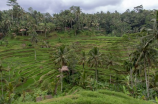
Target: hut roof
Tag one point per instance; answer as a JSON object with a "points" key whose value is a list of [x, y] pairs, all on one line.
{"points": [[22, 30], [64, 68]]}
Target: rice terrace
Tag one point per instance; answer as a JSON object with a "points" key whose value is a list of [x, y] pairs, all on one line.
{"points": [[76, 57]]}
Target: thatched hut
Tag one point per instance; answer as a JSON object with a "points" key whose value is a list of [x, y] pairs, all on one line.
{"points": [[64, 69], [58, 28], [40, 31], [23, 31]]}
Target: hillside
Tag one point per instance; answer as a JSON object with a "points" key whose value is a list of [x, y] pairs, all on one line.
{"points": [[49, 56], [18, 57], [94, 97], [30, 66]]}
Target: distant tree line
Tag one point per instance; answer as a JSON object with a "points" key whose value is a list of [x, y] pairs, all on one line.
{"points": [[110, 23], [116, 24]]}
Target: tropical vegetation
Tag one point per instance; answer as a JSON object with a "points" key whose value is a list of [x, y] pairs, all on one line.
{"points": [[75, 58]]}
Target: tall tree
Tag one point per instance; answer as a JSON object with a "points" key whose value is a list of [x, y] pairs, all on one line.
{"points": [[83, 59], [12, 3], [149, 58], [61, 58], [153, 34], [95, 60], [110, 62]]}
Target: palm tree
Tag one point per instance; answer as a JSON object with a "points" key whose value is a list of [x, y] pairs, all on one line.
{"points": [[148, 58], [110, 62], [83, 59], [61, 58], [152, 36], [12, 3], [71, 19], [95, 24], [76, 12], [150, 55], [34, 36], [6, 23], [46, 27], [142, 52], [95, 60]]}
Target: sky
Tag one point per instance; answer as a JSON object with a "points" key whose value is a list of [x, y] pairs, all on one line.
{"points": [[87, 6]]}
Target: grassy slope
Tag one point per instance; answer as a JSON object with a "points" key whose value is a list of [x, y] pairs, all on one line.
{"points": [[94, 97], [22, 63]]}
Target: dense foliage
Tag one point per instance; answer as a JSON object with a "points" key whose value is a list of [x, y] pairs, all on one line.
{"points": [[53, 55], [116, 24]]}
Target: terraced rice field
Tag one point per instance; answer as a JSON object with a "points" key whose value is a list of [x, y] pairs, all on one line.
{"points": [[18, 58]]}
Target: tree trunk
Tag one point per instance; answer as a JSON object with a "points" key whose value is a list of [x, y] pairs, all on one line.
{"points": [[9, 74], [146, 79], [71, 24], [83, 67], [56, 86], [35, 54], [45, 33], [131, 79], [96, 75], [65, 26], [46, 44], [110, 74], [110, 78], [12, 15], [135, 80], [61, 79]]}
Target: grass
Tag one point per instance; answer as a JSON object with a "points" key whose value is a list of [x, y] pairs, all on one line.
{"points": [[94, 97]]}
